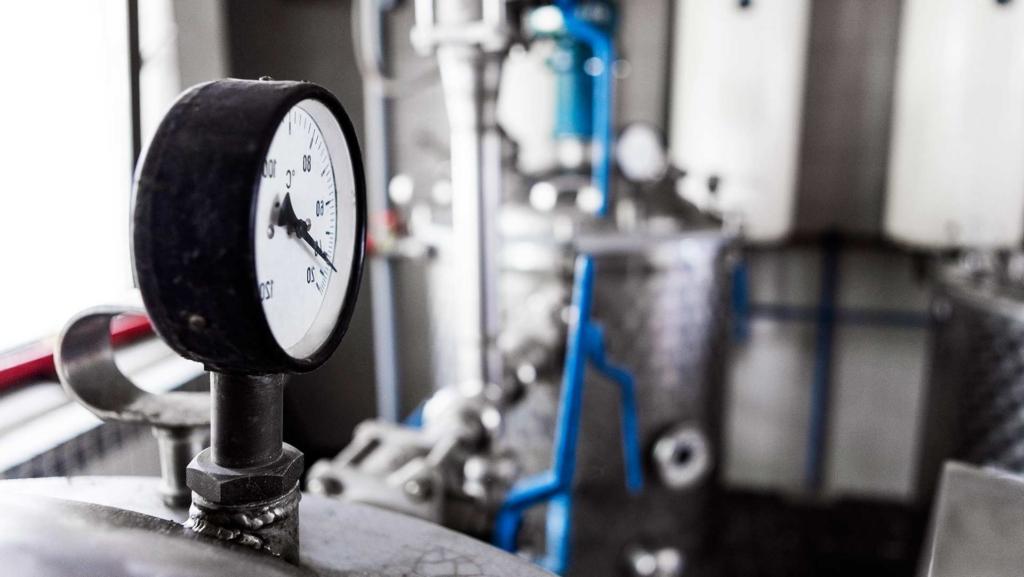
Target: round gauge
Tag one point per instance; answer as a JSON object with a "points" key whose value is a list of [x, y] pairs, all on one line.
{"points": [[297, 210], [249, 225]]}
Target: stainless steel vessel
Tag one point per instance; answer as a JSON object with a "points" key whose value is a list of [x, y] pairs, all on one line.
{"points": [[106, 526], [975, 411], [662, 300]]}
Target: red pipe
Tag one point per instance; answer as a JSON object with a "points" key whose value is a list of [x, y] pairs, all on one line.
{"points": [[36, 360]]}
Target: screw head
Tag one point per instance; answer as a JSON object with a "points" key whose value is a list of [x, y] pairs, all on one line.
{"points": [[419, 489]]}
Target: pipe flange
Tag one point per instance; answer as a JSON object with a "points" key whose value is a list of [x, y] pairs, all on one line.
{"points": [[683, 457]]}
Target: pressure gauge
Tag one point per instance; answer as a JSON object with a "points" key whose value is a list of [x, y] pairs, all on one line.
{"points": [[249, 225]]}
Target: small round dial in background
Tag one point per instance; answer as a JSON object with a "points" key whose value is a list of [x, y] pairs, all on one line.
{"points": [[305, 227]]}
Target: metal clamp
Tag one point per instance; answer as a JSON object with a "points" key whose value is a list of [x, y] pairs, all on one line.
{"points": [[84, 359]]}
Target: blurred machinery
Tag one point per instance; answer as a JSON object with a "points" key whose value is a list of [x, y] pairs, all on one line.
{"points": [[579, 344], [958, 132], [241, 284], [976, 369], [548, 246], [721, 133], [974, 524], [578, 276]]}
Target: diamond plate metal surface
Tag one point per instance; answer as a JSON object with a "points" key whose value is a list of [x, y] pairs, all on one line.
{"points": [[978, 357], [663, 303], [975, 395]]}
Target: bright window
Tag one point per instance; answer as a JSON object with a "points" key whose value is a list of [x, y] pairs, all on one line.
{"points": [[65, 161]]}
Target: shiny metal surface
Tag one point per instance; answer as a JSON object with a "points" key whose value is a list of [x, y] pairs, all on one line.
{"points": [[85, 363], [439, 470], [976, 526], [975, 410], [84, 359], [338, 539], [245, 486], [469, 38], [662, 300], [105, 542], [663, 304]]}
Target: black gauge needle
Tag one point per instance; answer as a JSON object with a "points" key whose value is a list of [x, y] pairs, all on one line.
{"points": [[286, 217]]}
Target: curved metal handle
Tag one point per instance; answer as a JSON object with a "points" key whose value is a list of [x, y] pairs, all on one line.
{"points": [[84, 358]]}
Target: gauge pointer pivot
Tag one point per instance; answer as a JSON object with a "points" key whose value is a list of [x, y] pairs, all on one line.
{"points": [[287, 218]]}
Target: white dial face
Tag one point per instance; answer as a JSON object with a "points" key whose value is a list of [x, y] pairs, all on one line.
{"points": [[305, 227]]}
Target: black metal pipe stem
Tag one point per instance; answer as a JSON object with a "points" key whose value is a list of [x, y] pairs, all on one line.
{"points": [[246, 428], [134, 74]]}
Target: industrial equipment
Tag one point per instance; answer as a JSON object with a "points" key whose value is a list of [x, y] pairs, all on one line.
{"points": [[958, 133], [975, 524], [578, 339], [249, 235], [973, 411], [737, 103], [642, 300]]}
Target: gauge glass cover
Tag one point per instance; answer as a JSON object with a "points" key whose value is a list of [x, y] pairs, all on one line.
{"points": [[304, 226]]}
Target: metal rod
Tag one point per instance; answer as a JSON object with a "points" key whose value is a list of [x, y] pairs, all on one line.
{"points": [[470, 78], [134, 72], [378, 168], [177, 447], [246, 428]]}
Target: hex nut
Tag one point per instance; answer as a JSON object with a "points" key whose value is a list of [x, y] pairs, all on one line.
{"points": [[225, 486]]}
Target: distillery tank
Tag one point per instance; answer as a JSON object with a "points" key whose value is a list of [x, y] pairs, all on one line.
{"points": [[661, 296], [975, 395]]}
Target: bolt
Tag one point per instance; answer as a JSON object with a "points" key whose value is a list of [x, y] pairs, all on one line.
{"points": [[196, 322], [326, 485], [419, 489]]}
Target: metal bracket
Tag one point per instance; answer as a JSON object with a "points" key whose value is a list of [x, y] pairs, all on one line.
{"points": [[84, 359]]}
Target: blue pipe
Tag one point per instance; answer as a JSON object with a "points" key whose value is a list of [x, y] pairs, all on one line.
{"points": [[741, 309], [574, 90], [545, 486], [603, 47], [821, 387], [415, 418], [585, 342]]}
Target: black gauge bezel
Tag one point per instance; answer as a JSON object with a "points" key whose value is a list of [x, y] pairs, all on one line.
{"points": [[193, 224]]}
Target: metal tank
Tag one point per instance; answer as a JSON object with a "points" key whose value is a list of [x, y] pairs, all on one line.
{"points": [[248, 521], [119, 526], [975, 402], [661, 296]]}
